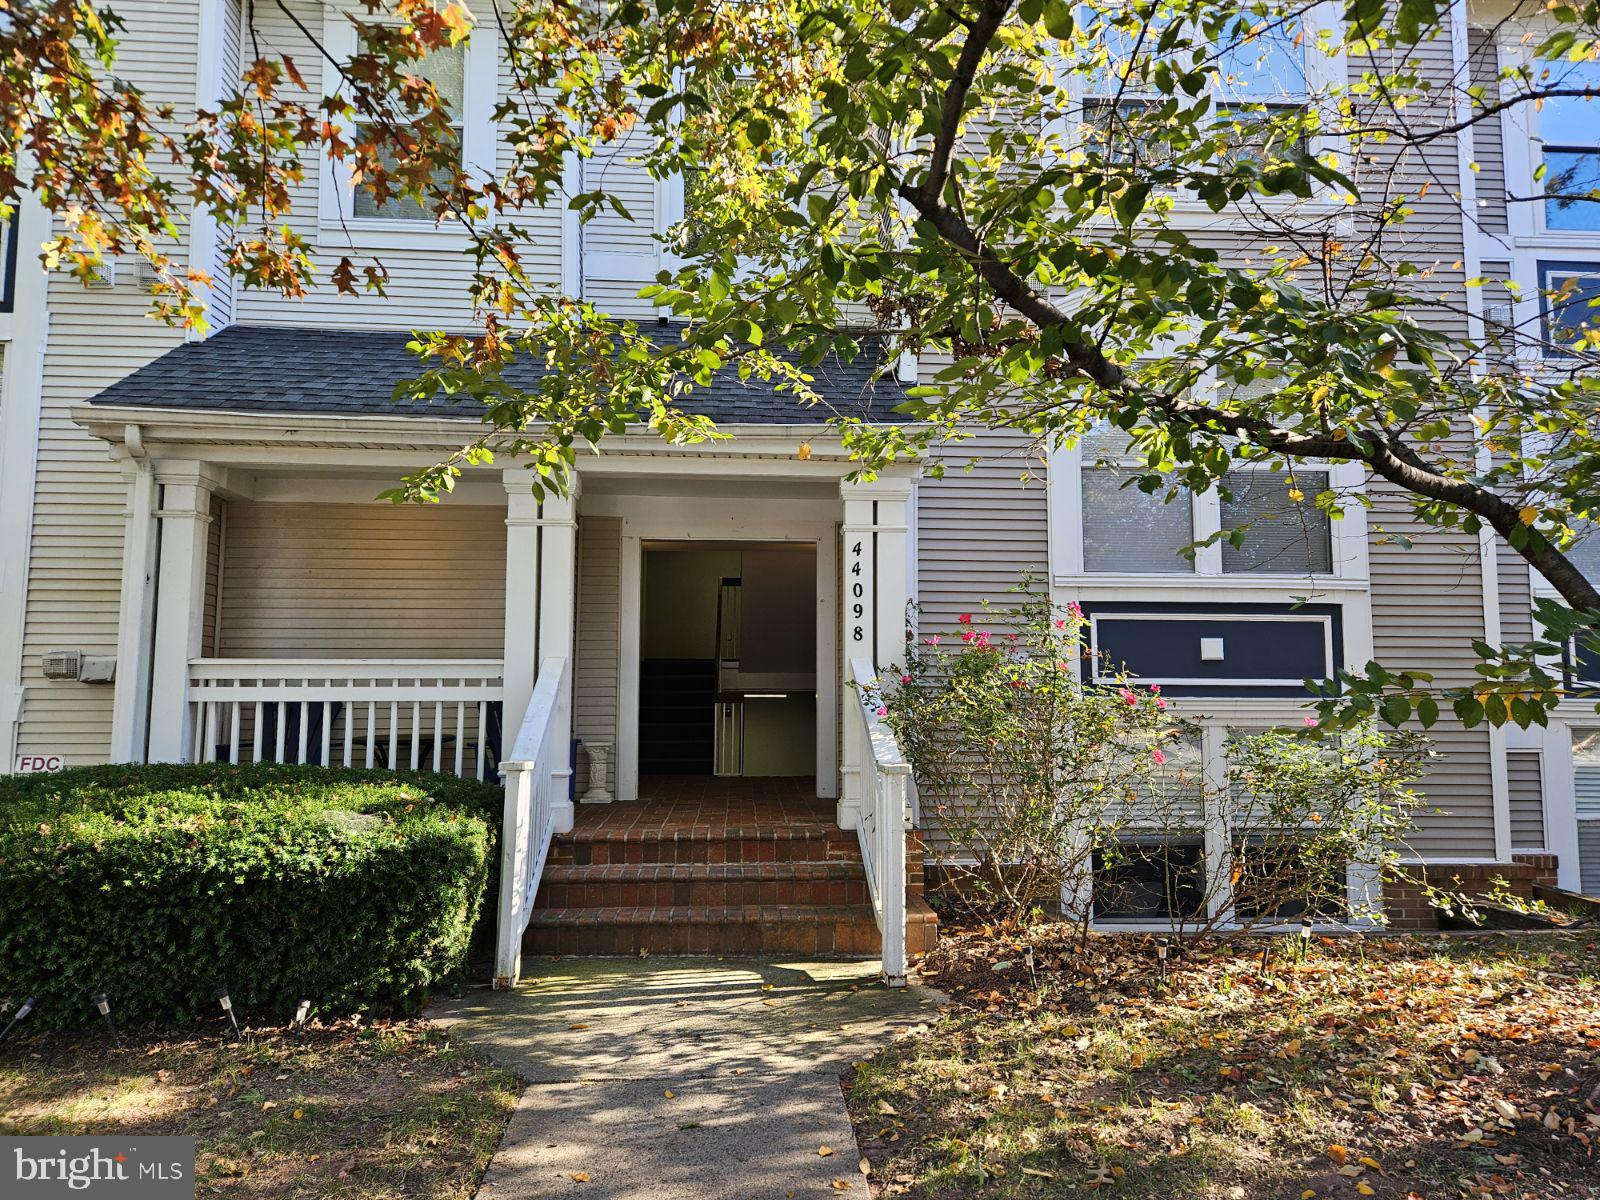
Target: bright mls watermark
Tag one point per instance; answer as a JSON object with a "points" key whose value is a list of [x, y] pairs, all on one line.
{"points": [[130, 1168]]}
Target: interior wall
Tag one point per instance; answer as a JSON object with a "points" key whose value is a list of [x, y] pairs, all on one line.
{"points": [[680, 601]]}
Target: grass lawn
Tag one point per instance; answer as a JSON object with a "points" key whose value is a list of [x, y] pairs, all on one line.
{"points": [[358, 1111], [1393, 1067]]}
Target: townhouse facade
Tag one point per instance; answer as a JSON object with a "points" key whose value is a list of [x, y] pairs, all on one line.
{"points": [[196, 567]]}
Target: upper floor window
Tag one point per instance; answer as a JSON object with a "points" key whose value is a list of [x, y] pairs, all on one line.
{"points": [[446, 69], [1571, 297], [1569, 141], [1257, 76], [464, 77], [1259, 520]]}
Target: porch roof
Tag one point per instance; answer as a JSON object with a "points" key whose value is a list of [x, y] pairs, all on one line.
{"points": [[271, 369]]}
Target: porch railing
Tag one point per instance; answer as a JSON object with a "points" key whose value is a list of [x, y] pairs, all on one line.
{"points": [[536, 772], [422, 714], [885, 802]]}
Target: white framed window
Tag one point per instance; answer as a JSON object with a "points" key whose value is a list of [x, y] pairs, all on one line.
{"points": [[465, 77], [1261, 522], [1201, 860], [1552, 148], [1278, 68]]}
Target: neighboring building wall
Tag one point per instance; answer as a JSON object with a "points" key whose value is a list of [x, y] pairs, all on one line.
{"points": [[363, 581], [96, 337]]}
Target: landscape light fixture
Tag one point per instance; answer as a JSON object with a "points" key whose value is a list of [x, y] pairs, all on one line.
{"points": [[1161, 958], [301, 1013], [102, 1004], [23, 1010], [227, 1006]]}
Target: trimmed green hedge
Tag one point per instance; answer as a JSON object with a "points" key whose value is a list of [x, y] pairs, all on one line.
{"points": [[159, 884]]}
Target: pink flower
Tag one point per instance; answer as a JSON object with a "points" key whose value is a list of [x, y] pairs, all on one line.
{"points": [[1156, 688], [968, 636], [905, 679], [983, 638], [934, 640], [883, 711], [1127, 695], [1309, 720], [1011, 637], [964, 619], [1077, 613], [1061, 623], [1161, 704], [1159, 757]]}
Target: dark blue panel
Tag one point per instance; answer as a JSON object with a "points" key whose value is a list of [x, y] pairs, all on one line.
{"points": [[1170, 649]]}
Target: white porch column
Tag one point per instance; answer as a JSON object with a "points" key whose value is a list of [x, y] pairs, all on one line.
{"points": [[185, 515], [558, 577], [541, 584], [875, 587], [522, 605], [130, 719]]}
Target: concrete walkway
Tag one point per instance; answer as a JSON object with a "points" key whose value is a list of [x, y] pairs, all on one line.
{"points": [[681, 1078]]}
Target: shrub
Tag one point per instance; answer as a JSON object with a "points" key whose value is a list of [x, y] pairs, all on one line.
{"points": [[1091, 797], [158, 884], [1021, 765]]}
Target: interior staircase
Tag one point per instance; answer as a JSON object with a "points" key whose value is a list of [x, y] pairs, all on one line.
{"points": [[740, 879]]}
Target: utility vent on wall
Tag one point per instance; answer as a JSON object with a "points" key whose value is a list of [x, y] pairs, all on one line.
{"points": [[79, 667]]}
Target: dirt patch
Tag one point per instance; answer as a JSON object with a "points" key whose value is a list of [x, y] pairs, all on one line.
{"points": [[353, 1110]]}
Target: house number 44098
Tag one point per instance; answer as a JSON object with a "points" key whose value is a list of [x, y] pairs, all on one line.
{"points": [[858, 591]]}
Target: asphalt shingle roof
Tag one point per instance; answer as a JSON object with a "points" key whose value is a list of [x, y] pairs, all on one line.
{"points": [[257, 369]]}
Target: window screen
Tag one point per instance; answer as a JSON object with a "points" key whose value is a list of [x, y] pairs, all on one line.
{"points": [[1126, 530], [1281, 536]]}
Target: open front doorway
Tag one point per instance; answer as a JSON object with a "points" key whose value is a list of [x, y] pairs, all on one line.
{"points": [[728, 662]]}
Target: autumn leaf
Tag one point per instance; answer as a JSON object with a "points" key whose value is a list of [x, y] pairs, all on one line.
{"points": [[580, 1177], [824, 1151]]}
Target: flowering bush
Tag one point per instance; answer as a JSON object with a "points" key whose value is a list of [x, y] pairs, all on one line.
{"points": [[1024, 768], [1053, 784]]}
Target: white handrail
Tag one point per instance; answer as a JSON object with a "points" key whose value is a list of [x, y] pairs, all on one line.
{"points": [[534, 771], [886, 780]]}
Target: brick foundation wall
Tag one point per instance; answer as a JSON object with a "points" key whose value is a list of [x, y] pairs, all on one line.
{"points": [[1409, 911]]}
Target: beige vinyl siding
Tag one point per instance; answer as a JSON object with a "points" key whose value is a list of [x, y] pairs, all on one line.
{"points": [[1427, 606], [980, 531], [96, 337], [213, 601], [1487, 135], [596, 654], [363, 581], [429, 282], [1516, 595], [1527, 799]]}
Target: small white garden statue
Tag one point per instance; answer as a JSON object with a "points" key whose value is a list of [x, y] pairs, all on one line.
{"points": [[599, 791]]}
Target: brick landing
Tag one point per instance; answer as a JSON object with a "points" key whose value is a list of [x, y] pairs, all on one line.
{"points": [[715, 866]]}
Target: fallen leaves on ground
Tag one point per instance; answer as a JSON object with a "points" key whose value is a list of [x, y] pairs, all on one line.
{"points": [[1378, 1066]]}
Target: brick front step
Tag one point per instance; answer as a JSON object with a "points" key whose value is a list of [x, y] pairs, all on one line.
{"points": [[715, 885], [787, 843], [813, 929]]}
